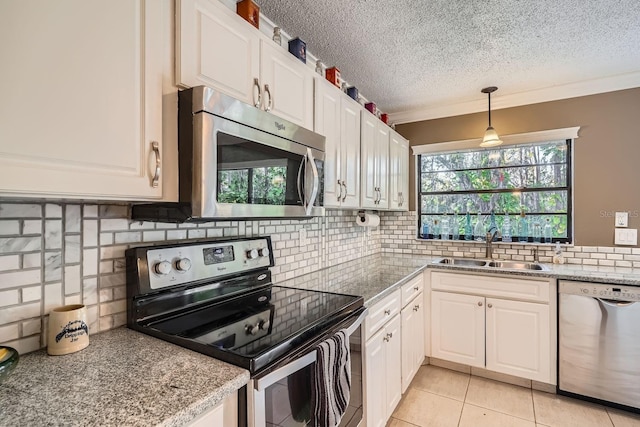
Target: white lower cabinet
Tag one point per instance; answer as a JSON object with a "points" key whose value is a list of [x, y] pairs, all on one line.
{"points": [[382, 360], [412, 339], [224, 414], [483, 327], [383, 373]]}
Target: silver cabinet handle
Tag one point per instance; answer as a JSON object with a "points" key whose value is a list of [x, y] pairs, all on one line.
{"points": [[489, 305], [155, 181], [390, 335], [340, 193], [270, 103], [387, 312], [479, 303], [386, 338], [345, 191], [416, 307], [256, 83]]}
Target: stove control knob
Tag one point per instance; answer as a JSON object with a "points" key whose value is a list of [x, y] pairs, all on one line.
{"points": [[183, 264], [163, 268], [264, 325], [264, 252], [252, 254], [251, 329]]}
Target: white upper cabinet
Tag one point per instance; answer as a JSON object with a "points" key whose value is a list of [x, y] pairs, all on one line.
{"points": [[287, 85], [217, 48], [374, 162], [398, 172], [337, 117], [82, 98]]}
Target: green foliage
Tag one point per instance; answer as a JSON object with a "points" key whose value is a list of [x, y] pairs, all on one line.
{"points": [[531, 177], [268, 185]]}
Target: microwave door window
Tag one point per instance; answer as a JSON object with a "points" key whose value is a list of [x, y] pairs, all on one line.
{"points": [[253, 173]]}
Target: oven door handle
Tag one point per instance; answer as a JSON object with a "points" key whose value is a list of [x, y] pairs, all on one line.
{"points": [[356, 324], [285, 371]]}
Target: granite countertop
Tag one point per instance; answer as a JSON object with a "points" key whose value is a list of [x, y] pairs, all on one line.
{"points": [[375, 276], [123, 378], [372, 277]]}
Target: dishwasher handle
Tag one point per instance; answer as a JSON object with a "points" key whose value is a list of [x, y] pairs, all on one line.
{"points": [[615, 303]]}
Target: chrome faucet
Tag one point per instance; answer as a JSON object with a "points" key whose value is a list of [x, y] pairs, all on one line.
{"points": [[536, 256], [492, 234]]}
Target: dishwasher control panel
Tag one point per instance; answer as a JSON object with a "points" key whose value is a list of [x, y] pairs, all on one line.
{"points": [[600, 290]]}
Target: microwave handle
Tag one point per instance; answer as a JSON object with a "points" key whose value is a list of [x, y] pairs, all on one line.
{"points": [[299, 182], [316, 182]]}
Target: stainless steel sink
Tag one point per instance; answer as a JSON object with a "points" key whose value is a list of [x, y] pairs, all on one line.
{"points": [[462, 261], [507, 265], [517, 265]]}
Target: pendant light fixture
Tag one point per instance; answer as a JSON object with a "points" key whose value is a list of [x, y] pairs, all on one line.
{"points": [[491, 138]]}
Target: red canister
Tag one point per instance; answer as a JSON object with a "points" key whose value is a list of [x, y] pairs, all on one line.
{"points": [[333, 75]]}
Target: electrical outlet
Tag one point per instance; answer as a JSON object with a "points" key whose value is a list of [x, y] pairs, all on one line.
{"points": [[622, 219], [626, 236]]}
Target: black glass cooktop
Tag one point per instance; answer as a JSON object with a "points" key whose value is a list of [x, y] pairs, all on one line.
{"points": [[260, 328]]}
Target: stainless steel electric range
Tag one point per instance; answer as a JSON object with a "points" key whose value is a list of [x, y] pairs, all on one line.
{"points": [[216, 297]]}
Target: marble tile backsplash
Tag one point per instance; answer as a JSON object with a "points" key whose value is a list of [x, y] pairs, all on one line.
{"points": [[398, 232], [56, 254]]}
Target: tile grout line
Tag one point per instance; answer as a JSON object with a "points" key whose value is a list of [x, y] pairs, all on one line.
{"points": [[464, 400]]}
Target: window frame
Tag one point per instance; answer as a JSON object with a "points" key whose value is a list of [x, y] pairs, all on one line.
{"points": [[569, 135]]}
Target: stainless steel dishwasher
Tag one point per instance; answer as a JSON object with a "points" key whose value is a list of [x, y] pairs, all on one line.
{"points": [[599, 342]]}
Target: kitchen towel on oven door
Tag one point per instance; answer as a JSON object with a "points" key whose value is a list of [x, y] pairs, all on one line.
{"points": [[331, 381]]}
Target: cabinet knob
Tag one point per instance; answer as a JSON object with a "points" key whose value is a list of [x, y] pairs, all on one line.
{"points": [[387, 312], [386, 338], [489, 305], [480, 303], [416, 308], [390, 335], [416, 288]]}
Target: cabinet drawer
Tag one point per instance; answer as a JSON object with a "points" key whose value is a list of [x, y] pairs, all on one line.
{"points": [[491, 286], [381, 313], [412, 289]]}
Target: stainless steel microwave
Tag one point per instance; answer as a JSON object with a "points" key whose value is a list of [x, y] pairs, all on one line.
{"points": [[237, 161]]}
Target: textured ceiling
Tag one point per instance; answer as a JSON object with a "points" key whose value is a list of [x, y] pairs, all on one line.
{"points": [[411, 55]]}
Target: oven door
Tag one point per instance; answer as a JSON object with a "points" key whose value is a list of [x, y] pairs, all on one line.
{"points": [[283, 396], [240, 171]]}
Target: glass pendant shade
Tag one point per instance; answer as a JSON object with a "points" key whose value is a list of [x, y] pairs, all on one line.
{"points": [[491, 138]]}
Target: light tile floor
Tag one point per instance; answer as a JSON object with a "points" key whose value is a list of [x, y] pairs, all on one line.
{"points": [[444, 398]]}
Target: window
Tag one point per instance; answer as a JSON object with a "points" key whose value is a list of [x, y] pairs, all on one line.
{"points": [[526, 185]]}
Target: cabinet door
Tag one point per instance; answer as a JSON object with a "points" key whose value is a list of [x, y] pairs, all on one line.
{"points": [[412, 340], [403, 179], [350, 151], [382, 163], [375, 380], [328, 114], [518, 339], [287, 85], [369, 187], [457, 328], [81, 104], [393, 361], [216, 48], [394, 171], [398, 172]]}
